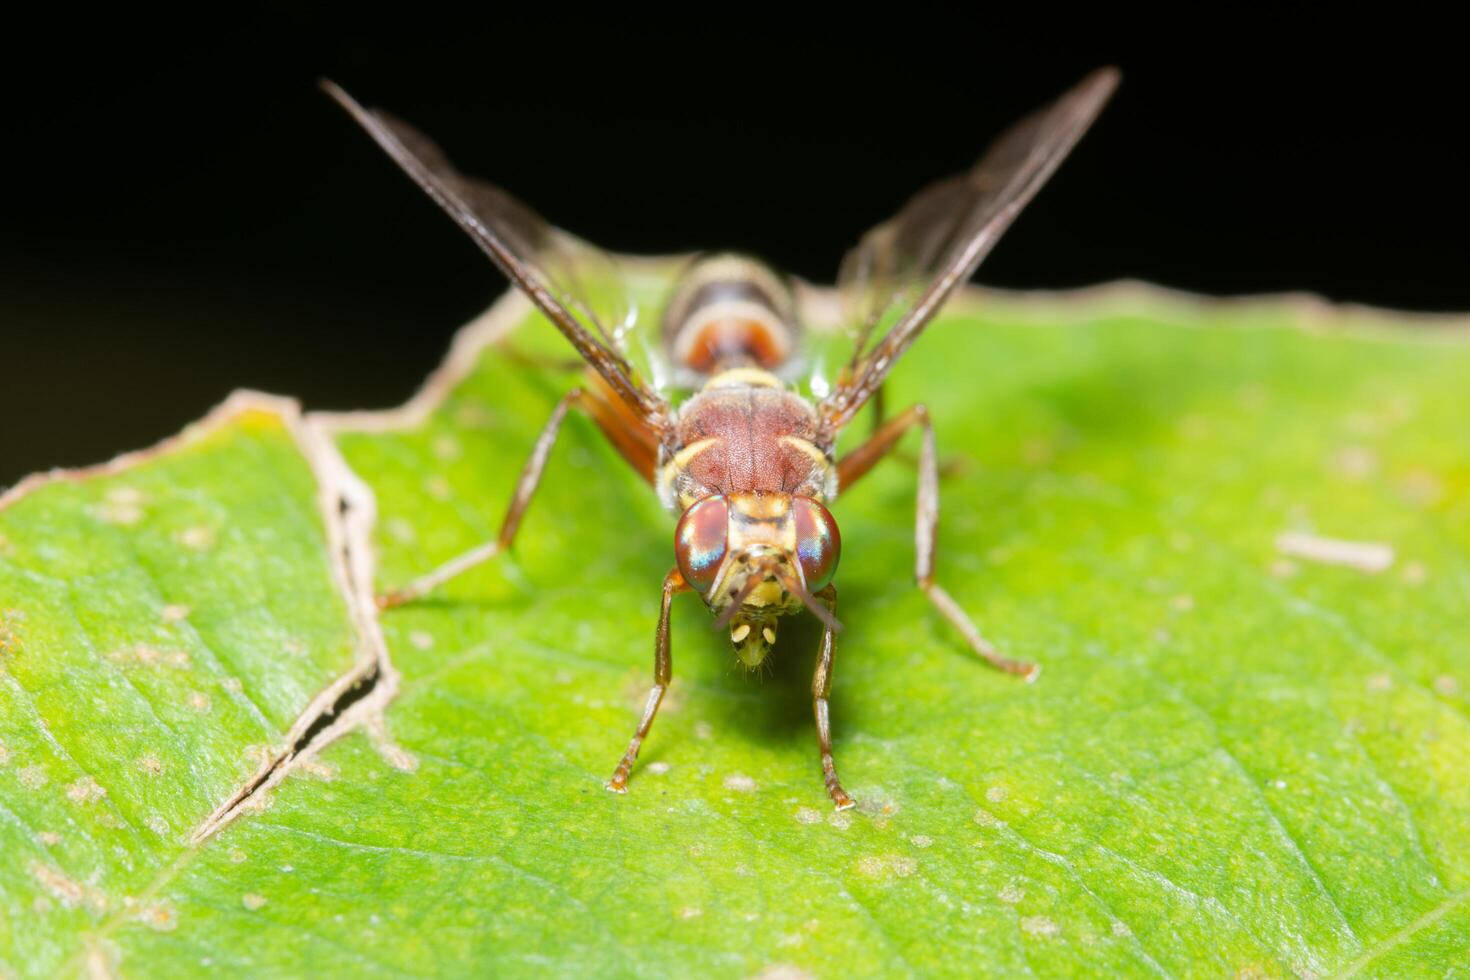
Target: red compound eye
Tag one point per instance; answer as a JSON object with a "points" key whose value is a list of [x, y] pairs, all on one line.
{"points": [[699, 542], [817, 541]]}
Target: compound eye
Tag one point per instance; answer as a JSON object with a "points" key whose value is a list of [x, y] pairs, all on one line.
{"points": [[699, 542], [817, 541]]}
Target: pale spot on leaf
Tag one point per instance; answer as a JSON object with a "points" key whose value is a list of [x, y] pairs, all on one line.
{"points": [[1283, 568], [147, 655], [1422, 488], [85, 790], [783, 971], [197, 538], [1355, 462], [66, 891], [1040, 925], [122, 506], [158, 917], [882, 866], [446, 448], [9, 634], [400, 530], [1365, 556]]}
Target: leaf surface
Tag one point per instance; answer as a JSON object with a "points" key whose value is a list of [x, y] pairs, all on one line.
{"points": [[1241, 757]]}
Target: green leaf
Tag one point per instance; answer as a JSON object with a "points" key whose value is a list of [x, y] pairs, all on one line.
{"points": [[1248, 753]]}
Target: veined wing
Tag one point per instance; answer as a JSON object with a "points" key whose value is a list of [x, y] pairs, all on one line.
{"points": [[574, 283], [902, 271]]}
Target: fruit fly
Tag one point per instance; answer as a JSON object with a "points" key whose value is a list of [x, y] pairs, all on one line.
{"points": [[748, 460]]}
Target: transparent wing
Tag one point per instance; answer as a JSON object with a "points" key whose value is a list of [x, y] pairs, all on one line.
{"points": [[575, 284], [901, 272]]}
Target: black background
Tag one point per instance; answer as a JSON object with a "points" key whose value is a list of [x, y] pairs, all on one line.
{"points": [[186, 214]]}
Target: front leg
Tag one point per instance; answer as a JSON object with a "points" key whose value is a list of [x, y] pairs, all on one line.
{"points": [[855, 464], [663, 672], [821, 691]]}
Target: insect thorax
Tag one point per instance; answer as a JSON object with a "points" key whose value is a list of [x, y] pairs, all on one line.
{"points": [[744, 432]]}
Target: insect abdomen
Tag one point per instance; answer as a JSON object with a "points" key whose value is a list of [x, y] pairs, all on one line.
{"points": [[729, 311]]}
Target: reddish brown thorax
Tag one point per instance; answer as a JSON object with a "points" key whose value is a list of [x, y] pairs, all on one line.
{"points": [[743, 433]]}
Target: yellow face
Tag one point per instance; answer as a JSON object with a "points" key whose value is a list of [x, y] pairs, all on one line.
{"points": [[755, 558]]}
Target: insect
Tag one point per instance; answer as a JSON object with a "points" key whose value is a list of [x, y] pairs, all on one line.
{"points": [[747, 460]]}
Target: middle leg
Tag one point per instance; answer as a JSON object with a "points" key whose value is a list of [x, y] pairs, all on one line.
{"points": [[857, 463]]}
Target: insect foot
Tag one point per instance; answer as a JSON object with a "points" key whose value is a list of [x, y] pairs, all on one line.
{"points": [[840, 799], [619, 781]]}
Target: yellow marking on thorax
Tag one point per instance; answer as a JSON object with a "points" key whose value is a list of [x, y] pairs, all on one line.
{"points": [[743, 377], [819, 459], [685, 456], [808, 447]]}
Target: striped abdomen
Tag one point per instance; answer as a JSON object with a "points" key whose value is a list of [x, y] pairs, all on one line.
{"points": [[729, 311]]}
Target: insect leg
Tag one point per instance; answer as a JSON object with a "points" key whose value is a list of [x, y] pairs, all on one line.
{"points": [[855, 464], [663, 671], [947, 467], [880, 409], [821, 690], [525, 490]]}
